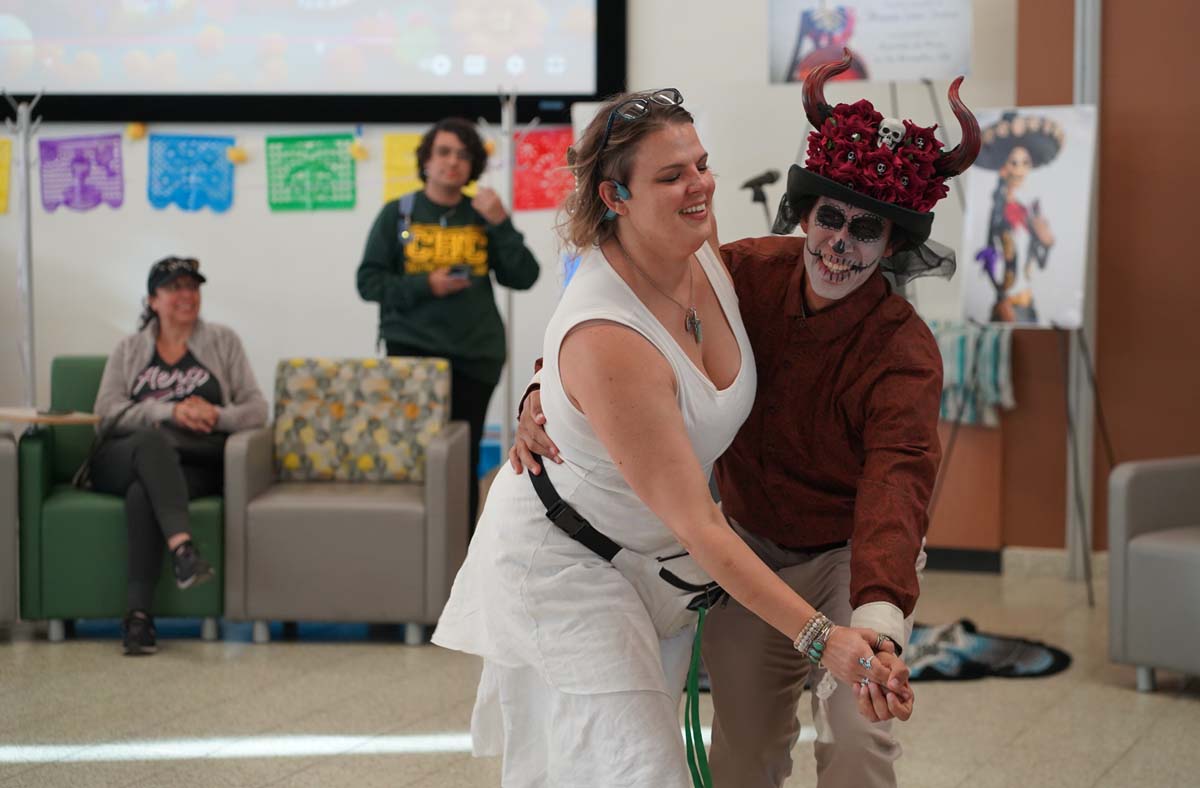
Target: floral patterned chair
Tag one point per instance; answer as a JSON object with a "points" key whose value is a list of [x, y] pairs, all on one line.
{"points": [[351, 506]]}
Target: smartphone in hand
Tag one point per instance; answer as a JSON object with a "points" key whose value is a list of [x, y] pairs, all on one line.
{"points": [[462, 271]]}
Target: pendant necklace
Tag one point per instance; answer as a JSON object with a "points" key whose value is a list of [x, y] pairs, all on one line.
{"points": [[691, 318]]}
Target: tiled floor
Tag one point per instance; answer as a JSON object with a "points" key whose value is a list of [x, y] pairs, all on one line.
{"points": [[353, 713]]}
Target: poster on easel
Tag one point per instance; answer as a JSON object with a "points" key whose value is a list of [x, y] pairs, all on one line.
{"points": [[889, 40], [1027, 222]]}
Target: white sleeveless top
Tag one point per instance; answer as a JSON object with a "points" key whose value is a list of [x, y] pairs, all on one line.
{"points": [[530, 595], [590, 479]]}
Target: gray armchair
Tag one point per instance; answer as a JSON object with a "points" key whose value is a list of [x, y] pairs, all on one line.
{"points": [[353, 505], [1154, 566], [8, 531]]}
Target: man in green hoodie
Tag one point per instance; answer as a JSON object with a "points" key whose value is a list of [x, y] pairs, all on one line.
{"points": [[428, 264]]}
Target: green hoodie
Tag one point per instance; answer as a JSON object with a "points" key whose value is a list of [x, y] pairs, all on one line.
{"points": [[464, 327]]}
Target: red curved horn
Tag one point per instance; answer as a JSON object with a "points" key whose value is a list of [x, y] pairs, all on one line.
{"points": [[953, 162], [815, 106]]}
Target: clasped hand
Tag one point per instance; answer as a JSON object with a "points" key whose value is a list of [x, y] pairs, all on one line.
{"points": [[196, 414]]}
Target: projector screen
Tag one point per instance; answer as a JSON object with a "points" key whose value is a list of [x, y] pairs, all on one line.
{"points": [[305, 59]]}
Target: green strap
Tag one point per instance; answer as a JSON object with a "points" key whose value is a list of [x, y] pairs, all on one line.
{"points": [[693, 735]]}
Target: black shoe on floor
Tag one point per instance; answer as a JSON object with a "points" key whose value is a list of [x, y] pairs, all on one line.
{"points": [[140, 635], [190, 567]]}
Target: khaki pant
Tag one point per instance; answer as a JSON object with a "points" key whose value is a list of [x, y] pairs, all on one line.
{"points": [[757, 679]]}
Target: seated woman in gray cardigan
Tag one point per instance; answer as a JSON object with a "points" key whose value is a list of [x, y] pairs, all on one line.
{"points": [[169, 396]]}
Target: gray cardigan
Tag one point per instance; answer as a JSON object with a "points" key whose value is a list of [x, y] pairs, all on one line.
{"points": [[215, 346]]}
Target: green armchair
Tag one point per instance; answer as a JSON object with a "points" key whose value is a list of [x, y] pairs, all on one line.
{"points": [[73, 542]]}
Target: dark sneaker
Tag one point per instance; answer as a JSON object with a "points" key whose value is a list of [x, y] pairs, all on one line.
{"points": [[140, 636], [190, 567]]}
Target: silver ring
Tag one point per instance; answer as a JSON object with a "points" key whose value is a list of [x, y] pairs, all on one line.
{"points": [[879, 641], [865, 662], [864, 681]]}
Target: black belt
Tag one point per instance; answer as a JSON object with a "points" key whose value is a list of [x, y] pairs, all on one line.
{"points": [[570, 521]]}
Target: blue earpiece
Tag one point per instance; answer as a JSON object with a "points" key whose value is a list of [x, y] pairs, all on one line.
{"points": [[622, 194]]}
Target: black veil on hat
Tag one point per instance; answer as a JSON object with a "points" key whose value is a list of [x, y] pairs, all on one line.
{"points": [[890, 167]]}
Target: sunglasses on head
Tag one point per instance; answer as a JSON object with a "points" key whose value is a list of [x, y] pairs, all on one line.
{"points": [[170, 265], [865, 228], [638, 107]]}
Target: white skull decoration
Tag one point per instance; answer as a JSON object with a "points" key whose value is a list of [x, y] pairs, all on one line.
{"points": [[891, 131]]}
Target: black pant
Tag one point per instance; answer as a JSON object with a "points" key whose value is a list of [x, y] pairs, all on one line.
{"points": [[145, 466], [469, 400]]}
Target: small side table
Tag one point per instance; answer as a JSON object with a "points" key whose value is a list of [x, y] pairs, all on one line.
{"points": [[35, 416]]}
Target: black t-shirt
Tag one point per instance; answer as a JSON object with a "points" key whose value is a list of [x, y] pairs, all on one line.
{"points": [[176, 382]]}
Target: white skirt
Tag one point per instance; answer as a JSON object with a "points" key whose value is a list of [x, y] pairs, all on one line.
{"points": [[530, 596], [554, 739]]}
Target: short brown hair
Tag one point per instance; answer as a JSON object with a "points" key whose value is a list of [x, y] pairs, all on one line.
{"points": [[584, 225], [467, 135]]}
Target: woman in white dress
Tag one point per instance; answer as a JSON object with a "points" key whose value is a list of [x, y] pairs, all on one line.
{"points": [[648, 375]]}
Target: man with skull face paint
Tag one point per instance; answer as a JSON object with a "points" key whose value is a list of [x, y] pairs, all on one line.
{"points": [[829, 478]]}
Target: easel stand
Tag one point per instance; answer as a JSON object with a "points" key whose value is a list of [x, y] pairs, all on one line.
{"points": [[971, 390], [1085, 541]]}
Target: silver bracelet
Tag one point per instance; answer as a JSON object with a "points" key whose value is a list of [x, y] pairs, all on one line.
{"points": [[816, 651]]}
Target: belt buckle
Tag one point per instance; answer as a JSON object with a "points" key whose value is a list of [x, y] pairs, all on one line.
{"points": [[566, 518]]}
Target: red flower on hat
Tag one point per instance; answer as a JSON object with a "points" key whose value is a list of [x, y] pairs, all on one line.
{"points": [[934, 191], [845, 150], [922, 140], [912, 182], [862, 111], [818, 151]]}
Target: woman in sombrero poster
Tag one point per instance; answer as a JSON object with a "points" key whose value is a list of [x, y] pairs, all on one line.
{"points": [[1019, 235]]}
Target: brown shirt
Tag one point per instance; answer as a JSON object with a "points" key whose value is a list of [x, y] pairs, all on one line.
{"points": [[842, 441]]}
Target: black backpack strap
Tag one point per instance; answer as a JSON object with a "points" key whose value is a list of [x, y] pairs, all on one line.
{"points": [[570, 521]]}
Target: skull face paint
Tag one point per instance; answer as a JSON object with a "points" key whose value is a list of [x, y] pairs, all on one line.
{"points": [[842, 247]]}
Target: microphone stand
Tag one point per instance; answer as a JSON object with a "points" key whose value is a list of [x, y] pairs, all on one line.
{"points": [[759, 194]]}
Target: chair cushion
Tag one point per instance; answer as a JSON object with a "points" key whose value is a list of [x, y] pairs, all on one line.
{"points": [[336, 551], [342, 500], [84, 558], [1163, 599], [358, 419], [1181, 544]]}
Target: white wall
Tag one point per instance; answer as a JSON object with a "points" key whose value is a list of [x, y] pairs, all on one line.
{"points": [[285, 281]]}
